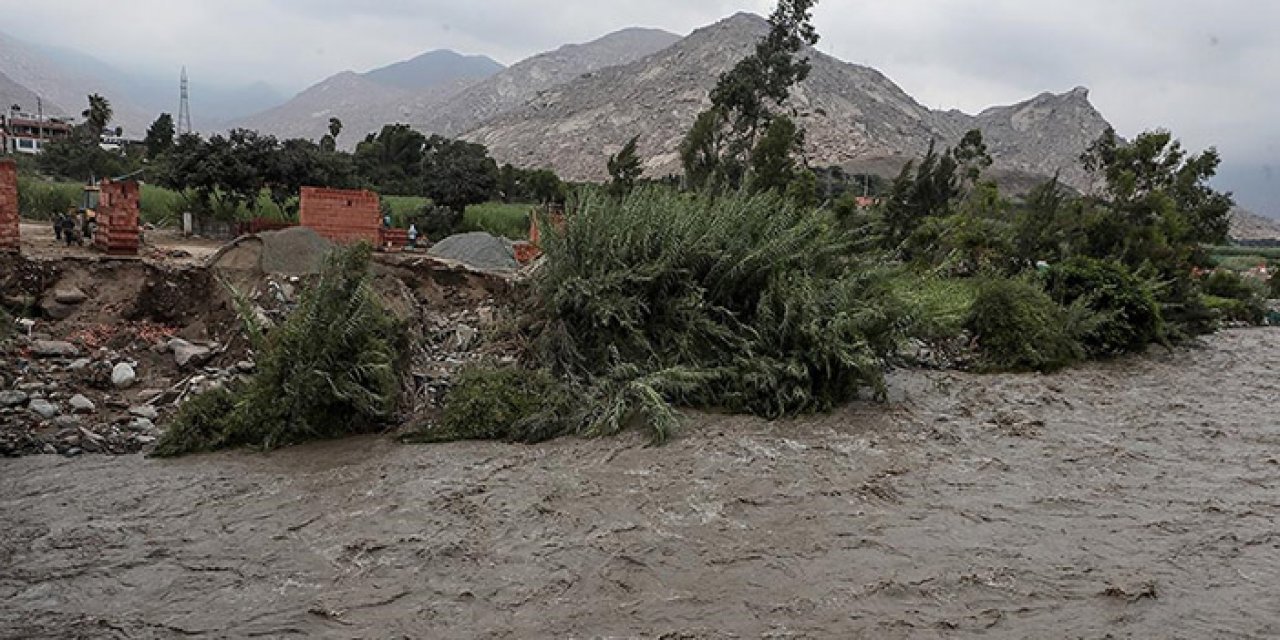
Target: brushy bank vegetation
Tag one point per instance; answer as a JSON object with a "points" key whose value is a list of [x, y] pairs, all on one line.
{"points": [[737, 303], [332, 369]]}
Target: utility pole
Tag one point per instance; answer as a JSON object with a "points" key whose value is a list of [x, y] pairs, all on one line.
{"points": [[184, 108]]}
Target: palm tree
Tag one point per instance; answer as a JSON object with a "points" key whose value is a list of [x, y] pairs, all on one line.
{"points": [[98, 115], [335, 128]]}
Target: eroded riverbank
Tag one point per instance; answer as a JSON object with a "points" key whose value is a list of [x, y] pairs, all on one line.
{"points": [[1135, 498]]}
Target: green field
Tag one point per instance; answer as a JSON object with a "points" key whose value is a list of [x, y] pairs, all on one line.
{"points": [[1238, 258], [41, 199]]}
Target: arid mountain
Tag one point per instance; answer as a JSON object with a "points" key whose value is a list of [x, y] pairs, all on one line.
{"points": [[852, 114], [516, 86], [433, 69], [407, 92], [12, 93], [63, 91], [1247, 225]]}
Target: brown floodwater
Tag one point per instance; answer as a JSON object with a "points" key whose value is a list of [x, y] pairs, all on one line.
{"points": [[1137, 498]]}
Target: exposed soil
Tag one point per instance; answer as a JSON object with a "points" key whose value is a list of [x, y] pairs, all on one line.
{"points": [[1134, 498]]}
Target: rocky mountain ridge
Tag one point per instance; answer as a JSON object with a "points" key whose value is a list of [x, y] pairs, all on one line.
{"points": [[852, 114]]}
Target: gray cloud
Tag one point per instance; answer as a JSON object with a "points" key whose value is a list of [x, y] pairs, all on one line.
{"points": [[1208, 69]]}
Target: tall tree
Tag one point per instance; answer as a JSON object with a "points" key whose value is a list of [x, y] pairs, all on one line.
{"points": [[457, 173], [624, 168], [98, 115], [391, 160], [746, 97], [159, 136], [330, 141]]}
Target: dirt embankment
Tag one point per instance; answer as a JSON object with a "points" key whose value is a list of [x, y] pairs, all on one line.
{"points": [[109, 348], [1134, 498]]}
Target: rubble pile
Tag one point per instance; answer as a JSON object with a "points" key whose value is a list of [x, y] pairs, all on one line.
{"points": [[102, 391], [479, 250]]}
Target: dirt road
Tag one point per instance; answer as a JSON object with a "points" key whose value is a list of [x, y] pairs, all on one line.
{"points": [[1126, 499]]}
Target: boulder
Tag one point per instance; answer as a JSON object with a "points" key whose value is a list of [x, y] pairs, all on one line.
{"points": [[123, 376], [53, 349], [13, 398], [44, 409], [144, 411], [81, 404], [185, 353], [69, 295]]}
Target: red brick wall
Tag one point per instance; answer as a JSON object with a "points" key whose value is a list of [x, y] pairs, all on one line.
{"points": [[342, 216], [9, 240], [117, 218]]}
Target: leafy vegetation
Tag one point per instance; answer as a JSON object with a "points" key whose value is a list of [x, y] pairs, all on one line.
{"points": [[1129, 317], [1020, 328], [332, 369], [738, 303], [505, 403]]}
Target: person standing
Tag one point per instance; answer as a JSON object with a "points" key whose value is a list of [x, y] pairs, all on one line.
{"points": [[58, 220], [413, 236]]}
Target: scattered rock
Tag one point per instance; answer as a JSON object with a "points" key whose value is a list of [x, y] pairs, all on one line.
{"points": [[53, 349], [79, 364], [44, 409], [462, 338], [185, 353], [144, 411], [142, 425], [245, 366], [123, 376], [81, 404], [57, 311], [13, 398], [70, 295]]}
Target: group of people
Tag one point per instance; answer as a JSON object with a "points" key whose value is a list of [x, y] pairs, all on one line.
{"points": [[413, 230], [74, 227]]}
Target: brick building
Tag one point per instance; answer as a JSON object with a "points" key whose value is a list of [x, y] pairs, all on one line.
{"points": [[341, 216], [9, 229], [117, 211]]}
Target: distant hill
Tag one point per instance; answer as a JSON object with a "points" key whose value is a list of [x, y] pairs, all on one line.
{"points": [[522, 82], [65, 91], [1247, 225], [406, 91], [852, 115], [434, 69]]}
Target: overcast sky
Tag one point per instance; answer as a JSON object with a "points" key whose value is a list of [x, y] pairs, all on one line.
{"points": [[1208, 69]]}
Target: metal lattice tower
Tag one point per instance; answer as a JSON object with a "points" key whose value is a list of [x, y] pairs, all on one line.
{"points": [[184, 108]]}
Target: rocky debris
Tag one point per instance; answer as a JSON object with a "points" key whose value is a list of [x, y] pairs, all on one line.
{"points": [[123, 376], [53, 349], [479, 250], [13, 398], [43, 408], [186, 353], [144, 411], [69, 295], [450, 341], [81, 404]]}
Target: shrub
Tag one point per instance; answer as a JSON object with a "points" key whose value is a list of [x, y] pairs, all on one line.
{"points": [[41, 200], [744, 304], [1274, 288], [1236, 298], [1020, 328], [504, 403], [1128, 316], [332, 369], [936, 307], [438, 222]]}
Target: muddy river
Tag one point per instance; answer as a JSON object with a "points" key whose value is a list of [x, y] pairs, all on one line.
{"points": [[1138, 498]]}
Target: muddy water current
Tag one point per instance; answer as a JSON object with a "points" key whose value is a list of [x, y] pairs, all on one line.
{"points": [[1131, 499]]}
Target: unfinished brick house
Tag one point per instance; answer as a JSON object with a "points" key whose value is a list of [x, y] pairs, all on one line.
{"points": [[347, 217], [117, 233], [9, 229]]}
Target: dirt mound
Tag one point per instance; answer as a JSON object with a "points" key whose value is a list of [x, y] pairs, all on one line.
{"points": [[297, 251], [479, 249]]}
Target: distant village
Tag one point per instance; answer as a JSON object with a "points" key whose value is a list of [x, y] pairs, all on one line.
{"points": [[27, 133]]}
